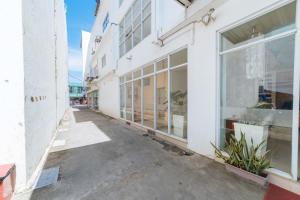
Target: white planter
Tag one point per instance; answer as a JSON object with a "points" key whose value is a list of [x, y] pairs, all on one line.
{"points": [[178, 124], [256, 132]]}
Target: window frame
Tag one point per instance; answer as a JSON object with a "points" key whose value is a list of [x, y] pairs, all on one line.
{"points": [[295, 123], [129, 33], [154, 74]]}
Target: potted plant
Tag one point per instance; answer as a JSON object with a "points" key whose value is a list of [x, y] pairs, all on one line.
{"points": [[178, 106], [242, 159]]}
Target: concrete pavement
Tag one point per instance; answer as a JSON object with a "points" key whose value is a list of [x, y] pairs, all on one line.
{"points": [[129, 165]]}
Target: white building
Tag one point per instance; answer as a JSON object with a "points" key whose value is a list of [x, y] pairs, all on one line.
{"points": [[33, 82], [195, 73]]}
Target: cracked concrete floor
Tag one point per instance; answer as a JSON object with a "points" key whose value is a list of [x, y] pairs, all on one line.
{"points": [[132, 166]]}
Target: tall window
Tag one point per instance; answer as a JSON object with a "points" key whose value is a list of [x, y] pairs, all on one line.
{"points": [[137, 100], [152, 92], [135, 26], [105, 22], [179, 101], [103, 61], [162, 101], [122, 98], [257, 70], [148, 88]]}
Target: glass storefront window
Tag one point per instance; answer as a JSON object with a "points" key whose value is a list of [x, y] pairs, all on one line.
{"points": [[137, 74], [257, 84], [162, 101], [122, 101], [163, 64], [148, 94], [275, 22], [148, 70], [151, 105], [179, 102], [128, 76], [129, 101], [178, 58], [137, 101]]}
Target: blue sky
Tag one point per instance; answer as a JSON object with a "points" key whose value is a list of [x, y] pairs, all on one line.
{"points": [[80, 16]]}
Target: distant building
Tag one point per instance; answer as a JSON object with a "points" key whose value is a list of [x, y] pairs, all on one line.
{"points": [[76, 93]]}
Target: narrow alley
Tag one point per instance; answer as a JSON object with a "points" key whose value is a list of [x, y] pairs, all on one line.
{"points": [[126, 163]]}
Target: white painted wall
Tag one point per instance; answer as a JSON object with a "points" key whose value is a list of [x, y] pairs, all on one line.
{"points": [[12, 122], [45, 66], [34, 82], [85, 39]]}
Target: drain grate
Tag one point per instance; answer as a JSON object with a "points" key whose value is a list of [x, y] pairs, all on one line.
{"points": [[48, 177]]}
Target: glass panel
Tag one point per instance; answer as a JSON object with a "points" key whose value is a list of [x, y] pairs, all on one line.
{"points": [[136, 9], [136, 22], [257, 97], [122, 79], [127, 22], [148, 84], [121, 27], [162, 101], [136, 13], [277, 21], [128, 76], [179, 102], [137, 101], [128, 43], [147, 27], [122, 49], [163, 64], [137, 35], [178, 58], [137, 74], [148, 70], [122, 101], [146, 11], [145, 2], [129, 101]]}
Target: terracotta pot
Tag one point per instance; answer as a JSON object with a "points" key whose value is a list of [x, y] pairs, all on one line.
{"points": [[260, 180]]}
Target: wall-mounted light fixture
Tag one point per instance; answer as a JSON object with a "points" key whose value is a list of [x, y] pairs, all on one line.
{"points": [[98, 39], [207, 18]]}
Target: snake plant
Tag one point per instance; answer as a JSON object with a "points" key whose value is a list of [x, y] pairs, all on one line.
{"points": [[244, 156]]}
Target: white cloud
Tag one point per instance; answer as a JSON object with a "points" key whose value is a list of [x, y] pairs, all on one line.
{"points": [[75, 60]]}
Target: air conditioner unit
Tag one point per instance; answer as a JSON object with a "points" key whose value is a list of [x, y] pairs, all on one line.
{"points": [[185, 3]]}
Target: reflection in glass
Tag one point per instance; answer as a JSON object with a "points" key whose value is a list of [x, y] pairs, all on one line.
{"points": [[148, 84], [137, 101], [162, 101], [179, 102], [257, 97], [129, 101], [178, 58], [148, 70], [275, 22], [163, 64]]}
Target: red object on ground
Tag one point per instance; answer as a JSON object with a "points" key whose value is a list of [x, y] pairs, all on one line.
{"points": [[7, 181], [277, 193]]}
